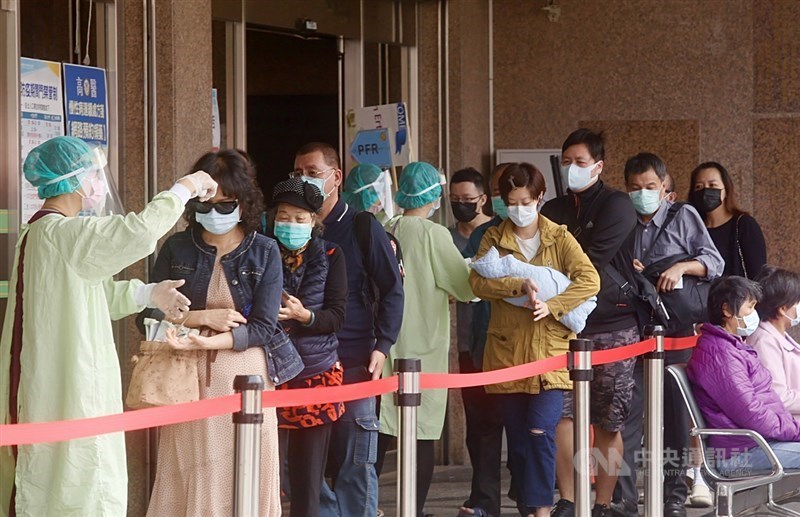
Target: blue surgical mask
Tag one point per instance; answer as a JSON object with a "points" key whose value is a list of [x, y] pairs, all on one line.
{"points": [[499, 207], [293, 236], [216, 223], [319, 183], [646, 202], [750, 321]]}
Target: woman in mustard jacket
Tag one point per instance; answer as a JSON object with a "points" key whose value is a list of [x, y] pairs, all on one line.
{"points": [[517, 335]]}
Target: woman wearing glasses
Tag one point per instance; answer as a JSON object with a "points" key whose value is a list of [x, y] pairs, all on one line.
{"points": [[234, 279]]}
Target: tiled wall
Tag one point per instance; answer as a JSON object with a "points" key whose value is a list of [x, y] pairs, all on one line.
{"points": [[692, 81]]}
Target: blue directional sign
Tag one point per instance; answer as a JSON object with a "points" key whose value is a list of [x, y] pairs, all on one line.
{"points": [[372, 146]]}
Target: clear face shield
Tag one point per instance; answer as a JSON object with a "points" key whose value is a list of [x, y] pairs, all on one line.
{"points": [[383, 188], [97, 189]]}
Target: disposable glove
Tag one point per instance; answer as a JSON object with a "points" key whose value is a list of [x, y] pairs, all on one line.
{"points": [[166, 297], [204, 186]]}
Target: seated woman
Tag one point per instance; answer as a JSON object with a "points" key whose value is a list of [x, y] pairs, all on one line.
{"points": [[779, 309], [233, 279], [314, 300], [731, 386], [517, 335]]}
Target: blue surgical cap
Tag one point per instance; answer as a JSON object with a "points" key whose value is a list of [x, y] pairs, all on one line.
{"points": [[419, 185], [57, 157], [357, 192]]}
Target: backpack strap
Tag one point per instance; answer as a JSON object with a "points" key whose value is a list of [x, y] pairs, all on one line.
{"points": [[625, 286], [671, 213], [363, 229]]}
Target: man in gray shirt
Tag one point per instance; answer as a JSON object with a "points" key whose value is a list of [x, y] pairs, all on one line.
{"points": [[645, 176]]}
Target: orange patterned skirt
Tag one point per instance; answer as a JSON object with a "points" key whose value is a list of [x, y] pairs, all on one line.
{"points": [[303, 417]]}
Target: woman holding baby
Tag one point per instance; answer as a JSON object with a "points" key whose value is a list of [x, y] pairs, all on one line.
{"points": [[518, 335]]}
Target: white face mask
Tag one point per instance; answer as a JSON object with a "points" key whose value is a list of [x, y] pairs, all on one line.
{"points": [[436, 205], [793, 322], [750, 321], [93, 194], [523, 215], [578, 178]]}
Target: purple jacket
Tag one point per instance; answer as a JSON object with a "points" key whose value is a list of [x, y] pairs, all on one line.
{"points": [[734, 391]]}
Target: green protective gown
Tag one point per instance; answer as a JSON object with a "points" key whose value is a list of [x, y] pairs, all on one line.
{"points": [[69, 365], [434, 269]]}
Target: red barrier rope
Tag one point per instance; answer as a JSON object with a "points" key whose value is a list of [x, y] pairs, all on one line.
{"points": [[40, 432], [680, 343], [48, 432], [430, 381]]}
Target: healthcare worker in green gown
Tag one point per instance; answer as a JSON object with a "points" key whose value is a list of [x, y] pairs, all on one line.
{"points": [[58, 359], [435, 270]]}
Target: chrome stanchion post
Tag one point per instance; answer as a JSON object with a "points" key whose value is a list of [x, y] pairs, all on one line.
{"points": [[246, 472], [654, 424], [580, 372], [407, 399]]}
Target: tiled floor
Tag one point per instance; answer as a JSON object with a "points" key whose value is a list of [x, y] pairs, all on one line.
{"points": [[451, 486]]}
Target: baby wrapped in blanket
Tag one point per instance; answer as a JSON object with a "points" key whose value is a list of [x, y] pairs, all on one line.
{"points": [[550, 282]]}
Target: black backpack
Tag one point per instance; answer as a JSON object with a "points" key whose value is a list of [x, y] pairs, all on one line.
{"points": [[363, 223]]}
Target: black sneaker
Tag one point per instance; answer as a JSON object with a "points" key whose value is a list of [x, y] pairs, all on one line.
{"points": [[601, 510], [563, 508], [622, 509]]}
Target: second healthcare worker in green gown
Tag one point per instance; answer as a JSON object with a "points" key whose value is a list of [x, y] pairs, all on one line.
{"points": [[58, 360], [435, 270]]}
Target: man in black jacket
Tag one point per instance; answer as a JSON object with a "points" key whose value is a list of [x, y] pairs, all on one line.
{"points": [[602, 220]]}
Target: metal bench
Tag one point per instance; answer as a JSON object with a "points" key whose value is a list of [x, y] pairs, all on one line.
{"points": [[755, 490]]}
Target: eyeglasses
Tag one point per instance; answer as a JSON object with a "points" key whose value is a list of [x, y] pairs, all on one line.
{"points": [[297, 173], [466, 199], [222, 207]]}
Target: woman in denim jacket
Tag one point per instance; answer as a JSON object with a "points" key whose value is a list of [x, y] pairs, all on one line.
{"points": [[233, 279]]}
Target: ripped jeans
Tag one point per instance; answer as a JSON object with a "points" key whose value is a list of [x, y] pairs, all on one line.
{"points": [[530, 422]]}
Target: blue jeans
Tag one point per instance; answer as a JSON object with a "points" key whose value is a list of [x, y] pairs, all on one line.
{"points": [[754, 460], [351, 461], [530, 422]]}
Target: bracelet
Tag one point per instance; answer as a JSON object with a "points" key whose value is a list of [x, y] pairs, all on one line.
{"points": [[313, 319]]}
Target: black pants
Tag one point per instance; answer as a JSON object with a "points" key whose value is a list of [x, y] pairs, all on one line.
{"points": [[425, 461], [306, 455], [676, 436], [484, 441]]}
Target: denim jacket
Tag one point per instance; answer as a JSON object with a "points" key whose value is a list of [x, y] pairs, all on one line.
{"points": [[255, 278]]}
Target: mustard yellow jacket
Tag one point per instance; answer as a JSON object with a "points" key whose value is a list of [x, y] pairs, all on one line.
{"points": [[514, 338]]}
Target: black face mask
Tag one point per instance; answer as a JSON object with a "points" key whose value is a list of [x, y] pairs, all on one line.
{"points": [[706, 200], [464, 212]]}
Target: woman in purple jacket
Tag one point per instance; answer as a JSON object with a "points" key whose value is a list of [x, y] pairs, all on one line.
{"points": [[733, 389]]}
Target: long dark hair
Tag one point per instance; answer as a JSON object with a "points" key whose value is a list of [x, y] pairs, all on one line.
{"points": [[727, 181], [235, 175]]}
